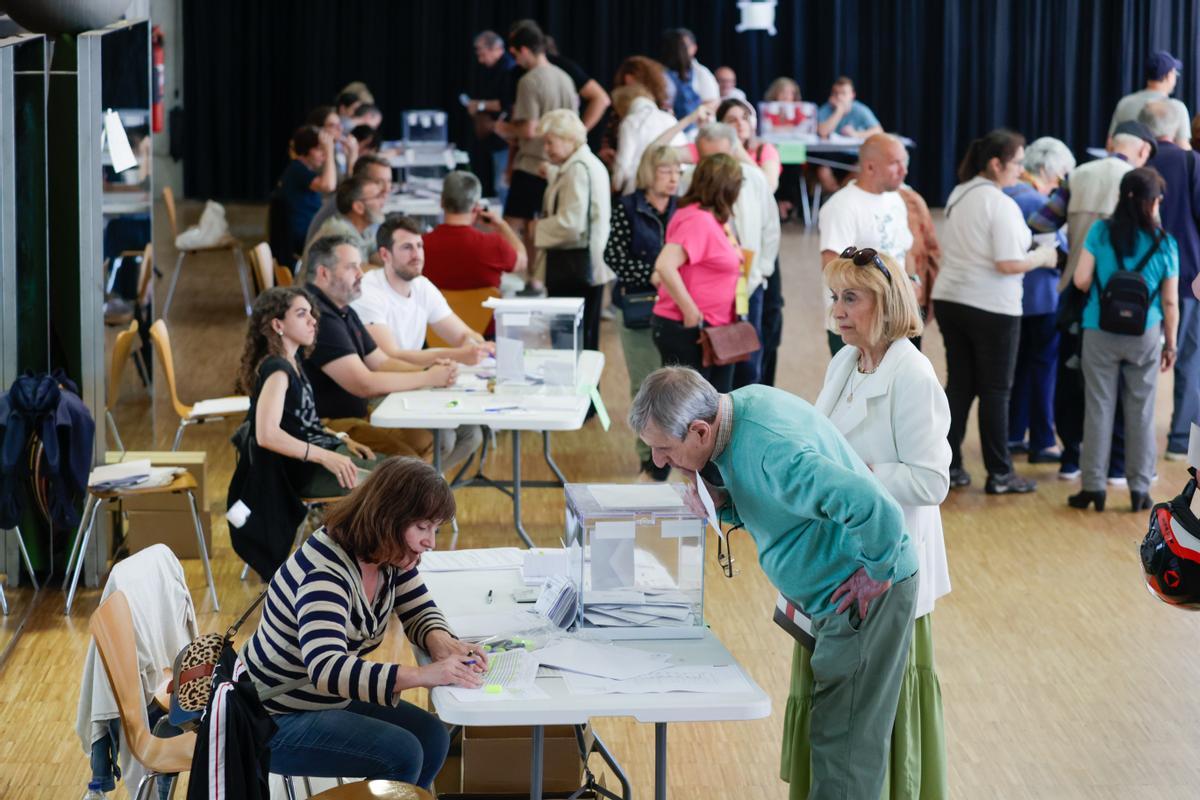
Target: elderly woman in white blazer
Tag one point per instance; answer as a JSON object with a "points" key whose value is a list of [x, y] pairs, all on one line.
{"points": [[576, 219], [884, 397]]}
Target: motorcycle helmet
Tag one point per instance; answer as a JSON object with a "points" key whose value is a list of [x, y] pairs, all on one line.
{"points": [[1171, 550]]}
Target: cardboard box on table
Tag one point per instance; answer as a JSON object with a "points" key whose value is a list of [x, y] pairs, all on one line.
{"points": [[166, 518]]}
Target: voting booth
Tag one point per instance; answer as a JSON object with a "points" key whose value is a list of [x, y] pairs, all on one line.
{"points": [[636, 560], [538, 342]]}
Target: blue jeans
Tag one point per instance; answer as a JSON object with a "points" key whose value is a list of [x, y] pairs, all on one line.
{"points": [[750, 371], [499, 165], [1187, 375], [404, 743], [1031, 405]]}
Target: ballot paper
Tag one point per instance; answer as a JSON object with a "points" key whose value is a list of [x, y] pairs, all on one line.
{"points": [[540, 563], [471, 560], [709, 509], [602, 660], [557, 601], [477, 626], [636, 495], [510, 359], [509, 670], [705, 679]]}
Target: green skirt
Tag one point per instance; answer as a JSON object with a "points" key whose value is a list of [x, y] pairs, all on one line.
{"points": [[917, 767]]}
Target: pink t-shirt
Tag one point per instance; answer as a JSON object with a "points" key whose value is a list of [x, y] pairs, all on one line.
{"points": [[711, 271]]}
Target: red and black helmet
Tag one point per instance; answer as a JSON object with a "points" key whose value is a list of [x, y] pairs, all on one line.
{"points": [[1171, 550]]}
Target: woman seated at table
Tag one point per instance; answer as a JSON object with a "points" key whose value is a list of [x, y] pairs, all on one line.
{"points": [[283, 415], [329, 605]]}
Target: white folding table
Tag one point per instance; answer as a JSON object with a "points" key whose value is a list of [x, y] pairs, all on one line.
{"points": [[466, 593], [445, 409]]}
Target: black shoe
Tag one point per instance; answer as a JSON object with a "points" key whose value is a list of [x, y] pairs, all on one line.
{"points": [[1047, 456], [1018, 447], [1085, 498], [529, 290], [1010, 483], [657, 473], [959, 478], [1140, 501]]}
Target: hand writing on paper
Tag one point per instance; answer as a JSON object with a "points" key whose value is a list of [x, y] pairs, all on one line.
{"points": [[442, 645], [859, 588]]}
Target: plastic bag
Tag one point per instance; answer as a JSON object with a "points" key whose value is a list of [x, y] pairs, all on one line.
{"points": [[211, 230]]}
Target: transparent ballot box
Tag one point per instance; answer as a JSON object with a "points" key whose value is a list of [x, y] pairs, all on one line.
{"points": [[425, 126], [636, 555], [538, 341]]}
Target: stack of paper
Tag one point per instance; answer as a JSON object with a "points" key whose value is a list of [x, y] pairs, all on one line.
{"points": [[625, 608], [543, 562], [471, 560], [705, 679], [509, 671], [558, 601], [601, 660]]}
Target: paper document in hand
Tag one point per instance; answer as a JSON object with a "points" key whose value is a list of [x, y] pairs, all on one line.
{"points": [[705, 679], [510, 670], [470, 560], [636, 495], [603, 660], [709, 508]]}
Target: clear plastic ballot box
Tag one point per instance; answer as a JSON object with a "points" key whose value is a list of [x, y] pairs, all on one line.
{"points": [[538, 341], [636, 555]]}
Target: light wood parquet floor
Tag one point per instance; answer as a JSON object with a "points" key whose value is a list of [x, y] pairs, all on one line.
{"points": [[1062, 677]]}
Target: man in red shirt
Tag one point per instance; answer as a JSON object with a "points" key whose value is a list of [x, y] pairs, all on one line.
{"points": [[460, 256]]}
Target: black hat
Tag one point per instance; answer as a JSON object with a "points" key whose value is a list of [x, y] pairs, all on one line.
{"points": [[1160, 64], [1134, 128]]}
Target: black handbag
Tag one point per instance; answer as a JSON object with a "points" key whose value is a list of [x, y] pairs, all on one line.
{"points": [[637, 308]]}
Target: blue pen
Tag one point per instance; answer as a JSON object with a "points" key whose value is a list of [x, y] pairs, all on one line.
{"points": [[501, 408]]}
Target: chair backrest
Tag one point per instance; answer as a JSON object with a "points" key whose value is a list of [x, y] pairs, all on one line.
{"points": [[162, 344], [122, 347], [468, 305], [112, 627], [169, 201], [283, 276], [262, 265], [145, 275]]}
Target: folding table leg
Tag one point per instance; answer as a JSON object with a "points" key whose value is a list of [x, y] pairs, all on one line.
{"points": [[550, 459], [174, 283], [535, 762], [516, 490], [81, 548], [660, 761], [25, 557], [212, 586]]}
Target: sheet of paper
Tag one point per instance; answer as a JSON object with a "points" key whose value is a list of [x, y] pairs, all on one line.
{"points": [[508, 671], [520, 694], [542, 562], [603, 660], [118, 143], [510, 359], [487, 558], [636, 495], [709, 508], [1194, 447], [477, 626], [612, 557], [704, 679]]}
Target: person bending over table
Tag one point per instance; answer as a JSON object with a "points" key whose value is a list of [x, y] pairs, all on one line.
{"points": [[329, 605], [319, 461], [346, 367], [882, 394], [398, 303], [828, 535]]}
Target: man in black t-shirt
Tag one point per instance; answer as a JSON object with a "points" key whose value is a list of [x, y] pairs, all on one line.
{"points": [[346, 368]]}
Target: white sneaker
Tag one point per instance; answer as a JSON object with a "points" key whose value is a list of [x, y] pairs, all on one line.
{"points": [[1064, 475], [1118, 482], [1171, 455]]}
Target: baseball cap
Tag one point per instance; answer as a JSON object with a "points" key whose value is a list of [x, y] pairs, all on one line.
{"points": [[1160, 63], [1133, 128]]}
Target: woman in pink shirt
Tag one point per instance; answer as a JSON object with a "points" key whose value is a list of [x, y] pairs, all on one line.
{"points": [[698, 268]]}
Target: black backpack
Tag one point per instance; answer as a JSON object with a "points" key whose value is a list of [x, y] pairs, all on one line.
{"points": [[1125, 299]]}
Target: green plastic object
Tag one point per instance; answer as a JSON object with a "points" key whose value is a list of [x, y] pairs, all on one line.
{"points": [[792, 152], [493, 688]]}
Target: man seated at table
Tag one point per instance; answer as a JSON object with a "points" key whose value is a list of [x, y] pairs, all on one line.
{"points": [[371, 167], [346, 368], [359, 209], [846, 116], [398, 303], [460, 256]]}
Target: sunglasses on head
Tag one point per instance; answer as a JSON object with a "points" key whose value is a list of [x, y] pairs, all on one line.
{"points": [[866, 257]]}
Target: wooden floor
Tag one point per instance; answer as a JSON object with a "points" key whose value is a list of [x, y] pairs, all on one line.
{"points": [[1062, 677]]}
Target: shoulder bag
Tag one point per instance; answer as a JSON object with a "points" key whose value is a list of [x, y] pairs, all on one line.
{"points": [[569, 271], [722, 345]]}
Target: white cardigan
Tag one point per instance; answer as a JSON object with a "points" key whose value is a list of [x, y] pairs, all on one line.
{"points": [[566, 222], [897, 424], [643, 123]]}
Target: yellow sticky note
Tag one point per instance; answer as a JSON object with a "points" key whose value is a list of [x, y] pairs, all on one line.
{"points": [[598, 402], [493, 688]]}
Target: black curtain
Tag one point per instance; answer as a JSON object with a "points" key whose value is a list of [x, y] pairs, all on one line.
{"points": [[939, 71]]}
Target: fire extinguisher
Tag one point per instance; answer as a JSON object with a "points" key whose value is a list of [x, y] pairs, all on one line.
{"points": [[158, 58]]}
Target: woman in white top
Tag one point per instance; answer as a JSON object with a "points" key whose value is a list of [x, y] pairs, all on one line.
{"points": [[641, 123], [985, 255], [882, 394]]}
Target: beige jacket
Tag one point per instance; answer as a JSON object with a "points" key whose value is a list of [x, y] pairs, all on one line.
{"points": [[566, 222]]}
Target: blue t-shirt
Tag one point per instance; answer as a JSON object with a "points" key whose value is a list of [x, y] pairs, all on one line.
{"points": [[302, 202], [1162, 265], [1041, 284], [859, 116]]}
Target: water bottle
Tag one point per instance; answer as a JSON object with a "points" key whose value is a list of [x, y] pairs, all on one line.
{"points": [[93, 791]]}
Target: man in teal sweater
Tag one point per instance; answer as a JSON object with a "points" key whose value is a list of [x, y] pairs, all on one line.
{"points": [[828, 536]]}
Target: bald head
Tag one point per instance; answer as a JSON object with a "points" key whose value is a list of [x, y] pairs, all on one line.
{"points": [[882, 164]]}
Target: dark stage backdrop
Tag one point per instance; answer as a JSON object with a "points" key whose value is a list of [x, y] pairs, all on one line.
{"points": [[940, 71]]}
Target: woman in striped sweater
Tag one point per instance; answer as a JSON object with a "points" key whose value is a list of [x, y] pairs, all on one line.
{"points": [[328, 606]]}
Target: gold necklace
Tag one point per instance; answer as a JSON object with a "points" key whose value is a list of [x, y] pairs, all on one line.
{"points": [[850, 380]]}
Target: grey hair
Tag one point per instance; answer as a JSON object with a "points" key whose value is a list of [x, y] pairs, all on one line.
{"points": [[673, 398], [489, 39], [1159, 117], [1128, 140], [323, 253], [714, 131], [460, 192], [1048, 156]]}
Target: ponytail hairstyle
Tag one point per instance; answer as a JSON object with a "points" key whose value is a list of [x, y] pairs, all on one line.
{"points": [[1001, 143], [261, 339], [1135, 209]]}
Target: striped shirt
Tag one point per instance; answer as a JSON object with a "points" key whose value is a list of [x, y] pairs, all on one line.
{"points": [[317, 622]]}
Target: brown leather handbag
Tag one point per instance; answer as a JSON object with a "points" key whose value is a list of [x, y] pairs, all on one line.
{"points": [[737, 341]]}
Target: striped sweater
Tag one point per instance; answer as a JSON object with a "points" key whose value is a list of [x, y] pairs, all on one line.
{"points": [[317, 623]]}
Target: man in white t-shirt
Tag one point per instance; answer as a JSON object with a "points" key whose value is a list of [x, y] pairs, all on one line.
{"points": [[868, 211], [398, 303], [1162, 75]]}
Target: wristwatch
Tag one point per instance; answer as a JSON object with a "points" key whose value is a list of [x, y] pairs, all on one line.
{"points": [[481, 105], [342, 436]]}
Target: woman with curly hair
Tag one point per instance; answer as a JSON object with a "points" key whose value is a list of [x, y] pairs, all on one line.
{"points": [[283, 415]]}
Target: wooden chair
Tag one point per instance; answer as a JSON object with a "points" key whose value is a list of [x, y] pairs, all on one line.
{"points": [[122, 348], [112, 627], [262, 267], [283, 276], [374, 790], [468, 305], [203, 411], [182, 484], [229, 243]]}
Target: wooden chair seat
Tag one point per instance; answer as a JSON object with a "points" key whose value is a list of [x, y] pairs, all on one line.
{"points": [[198, 413], [374, 790], [181, 483]]}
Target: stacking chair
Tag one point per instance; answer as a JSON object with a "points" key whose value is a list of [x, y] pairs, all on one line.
{"points": [[468, 305], [122, 348], [28, 566], [181, 484], [206, 410], [374, 790], [112, 627], [283, 276], [229, 243], [262, 267]]}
